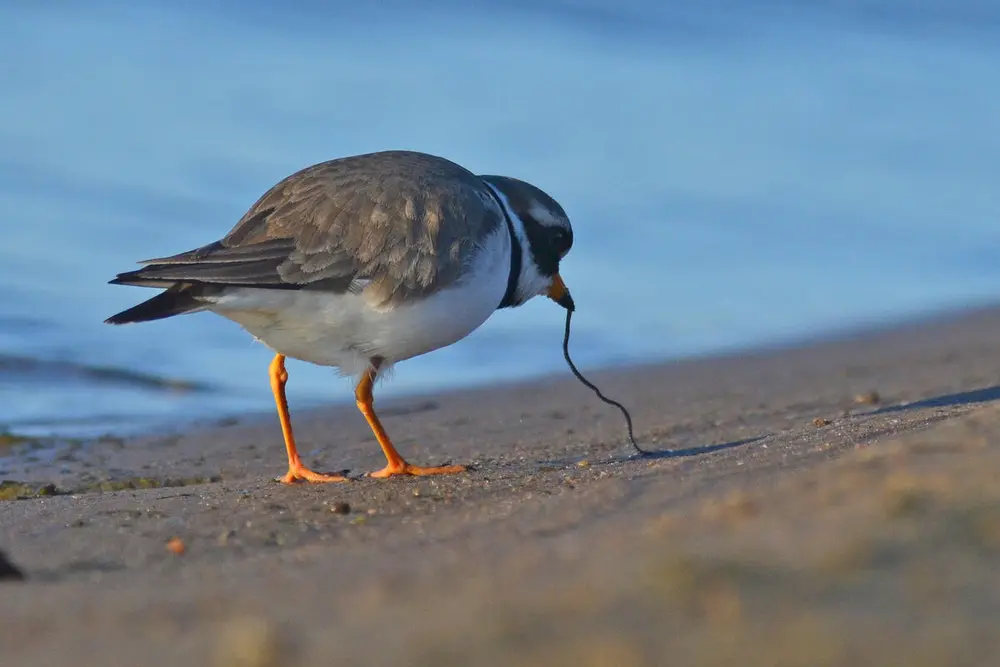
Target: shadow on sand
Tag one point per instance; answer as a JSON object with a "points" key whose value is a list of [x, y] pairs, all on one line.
{"points": [[948, 400], [687, 451], [654, 455]]}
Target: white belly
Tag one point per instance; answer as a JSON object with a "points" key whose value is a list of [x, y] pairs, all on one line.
{"points": [[345, 331]]}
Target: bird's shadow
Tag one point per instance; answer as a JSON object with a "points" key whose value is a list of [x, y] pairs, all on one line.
{"points": [[984, 395]]}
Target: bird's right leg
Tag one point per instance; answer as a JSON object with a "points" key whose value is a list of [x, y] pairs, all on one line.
{"points": [[297, 472]]}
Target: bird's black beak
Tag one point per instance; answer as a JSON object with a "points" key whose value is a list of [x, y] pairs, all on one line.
{"points": [[559, 293]]}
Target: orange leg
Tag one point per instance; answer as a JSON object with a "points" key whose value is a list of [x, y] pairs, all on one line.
{"points": [[297, 472], [395, 464]]}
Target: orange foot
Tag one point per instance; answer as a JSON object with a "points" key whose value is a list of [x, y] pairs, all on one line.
{"points": [[303, 474], [404, 468]]}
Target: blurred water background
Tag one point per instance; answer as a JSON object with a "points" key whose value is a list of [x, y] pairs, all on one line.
{"points": [[738, 174]]}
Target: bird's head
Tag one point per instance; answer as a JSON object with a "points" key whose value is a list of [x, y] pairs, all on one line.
{"points": [[544, 235]]}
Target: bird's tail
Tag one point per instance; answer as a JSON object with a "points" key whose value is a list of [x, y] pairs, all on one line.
{"points": [[177, 299]]}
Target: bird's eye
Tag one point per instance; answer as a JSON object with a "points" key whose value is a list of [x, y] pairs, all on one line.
{"points": [[561, 241]]}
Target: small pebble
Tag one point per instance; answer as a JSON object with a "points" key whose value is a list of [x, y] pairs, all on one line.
{"points": [[176, 546], [340, 508], [583, 464], [821, 421], [868, 398], [8, 570]]}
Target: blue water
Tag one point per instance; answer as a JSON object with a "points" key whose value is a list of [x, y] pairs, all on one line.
{"points": [[738, 173]]}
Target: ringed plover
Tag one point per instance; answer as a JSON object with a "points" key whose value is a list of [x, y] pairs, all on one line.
{"points": [[365, 261]]}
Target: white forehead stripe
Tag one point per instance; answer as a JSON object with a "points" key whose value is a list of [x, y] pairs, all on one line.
{"points": [[545, 217]]}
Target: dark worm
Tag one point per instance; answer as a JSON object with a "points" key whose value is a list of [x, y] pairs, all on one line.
{"points": [[586, 382]]}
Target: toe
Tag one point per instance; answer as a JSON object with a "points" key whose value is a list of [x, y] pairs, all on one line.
{"points": [[407, 469], [295, 475]]}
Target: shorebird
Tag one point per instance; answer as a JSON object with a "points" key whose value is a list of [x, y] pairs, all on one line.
{"points": [[365, 261]]}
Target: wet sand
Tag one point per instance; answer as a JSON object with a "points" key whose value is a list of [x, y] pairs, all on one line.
{"points": [[832, 504]]}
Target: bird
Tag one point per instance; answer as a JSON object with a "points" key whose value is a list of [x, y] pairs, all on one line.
{"points": [[361, 262]]}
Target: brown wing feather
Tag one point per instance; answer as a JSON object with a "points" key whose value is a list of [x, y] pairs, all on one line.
{"points": [[402, 224]]}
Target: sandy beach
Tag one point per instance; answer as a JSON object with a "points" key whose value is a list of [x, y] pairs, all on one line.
{"points": [[829, 504]]}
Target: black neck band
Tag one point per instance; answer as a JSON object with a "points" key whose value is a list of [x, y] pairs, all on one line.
{"points": [[515, 255]]}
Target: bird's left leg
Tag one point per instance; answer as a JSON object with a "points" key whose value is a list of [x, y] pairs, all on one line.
{"points": [[395, 464]]}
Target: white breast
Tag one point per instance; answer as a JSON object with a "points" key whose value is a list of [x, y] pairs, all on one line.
{"points": [[345, 331]]}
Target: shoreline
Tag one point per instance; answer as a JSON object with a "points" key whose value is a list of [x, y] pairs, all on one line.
{"points": [[142, 424], [821, 483]]}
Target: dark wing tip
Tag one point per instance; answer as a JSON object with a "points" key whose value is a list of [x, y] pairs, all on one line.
{"points": [[177, 300]]}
